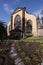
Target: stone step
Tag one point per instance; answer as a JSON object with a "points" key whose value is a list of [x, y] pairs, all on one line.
{"points": [[14, 56], [21, 63], [18, 60]]}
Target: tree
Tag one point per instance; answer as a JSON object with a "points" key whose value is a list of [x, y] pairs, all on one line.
{"points": [[2, 30], [42, 12]]}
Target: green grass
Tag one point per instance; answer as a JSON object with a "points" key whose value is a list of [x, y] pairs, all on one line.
{"points": [[33, 39], [25, 39], [39, 39]]}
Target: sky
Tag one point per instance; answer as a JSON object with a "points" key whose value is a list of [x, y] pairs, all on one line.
{"points": [[8, 6]]}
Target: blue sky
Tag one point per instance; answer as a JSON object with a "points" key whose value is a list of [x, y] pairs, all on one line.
{"points": [[8, 6]]}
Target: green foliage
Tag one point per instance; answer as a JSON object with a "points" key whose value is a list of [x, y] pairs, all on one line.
{"points": [[2, 50], [39, 64], [19, 49], [41, 27], [18, 46], [3, 31], [23, 53], [27, 45], [40, 49], [27, 58], [36, 57]]}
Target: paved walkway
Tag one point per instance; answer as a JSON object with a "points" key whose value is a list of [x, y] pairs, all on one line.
{"points": [[14, 55]]}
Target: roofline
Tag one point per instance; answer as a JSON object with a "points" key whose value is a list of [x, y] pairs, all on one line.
{"points": [[22, 9], [18, 10]]}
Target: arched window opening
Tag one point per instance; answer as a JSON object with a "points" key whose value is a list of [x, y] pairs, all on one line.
{"points": [[17, 22], [29, 26]]}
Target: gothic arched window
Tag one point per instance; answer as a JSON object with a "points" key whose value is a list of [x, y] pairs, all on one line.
{"points": [[29, 26], [17, 22]]}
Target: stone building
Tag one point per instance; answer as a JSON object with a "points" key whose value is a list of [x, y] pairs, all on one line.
{"points": [[23, 24]]}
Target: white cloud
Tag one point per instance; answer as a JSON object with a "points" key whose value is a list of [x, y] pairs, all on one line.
{"points": [[7, 8], [38, 12]]}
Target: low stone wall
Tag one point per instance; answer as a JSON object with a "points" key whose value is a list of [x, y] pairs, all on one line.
{"points": [[40, 32]]}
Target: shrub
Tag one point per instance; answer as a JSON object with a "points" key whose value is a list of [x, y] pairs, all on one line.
{"points": [[27, 58], [23, 53]]}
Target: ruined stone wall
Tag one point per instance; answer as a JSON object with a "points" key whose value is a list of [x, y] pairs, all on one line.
{"points": [[40, 32]]}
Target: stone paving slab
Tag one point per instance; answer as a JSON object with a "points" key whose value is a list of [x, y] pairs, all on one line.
{"points": [[21, 63], [18, 60]]}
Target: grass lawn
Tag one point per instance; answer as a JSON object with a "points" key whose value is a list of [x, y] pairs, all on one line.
{"points": [[33, 39], [28, 39]]}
